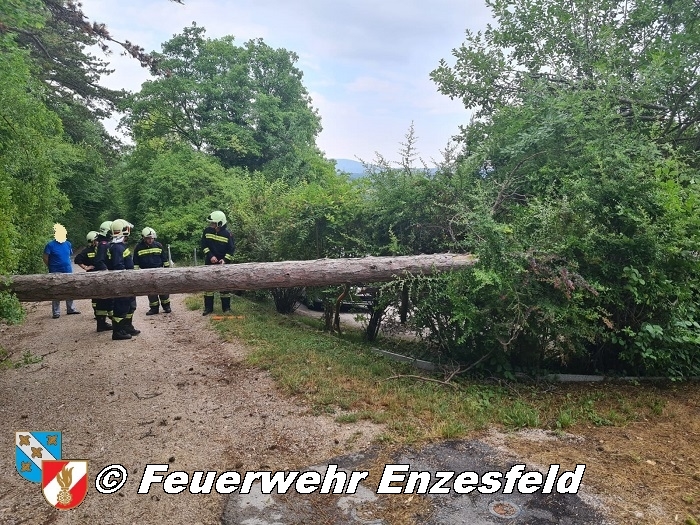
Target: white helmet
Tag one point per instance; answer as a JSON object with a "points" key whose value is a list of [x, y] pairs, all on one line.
{"points": [[106, 228], [148, 232], [91, 236], [121, 227], [218, 217]]}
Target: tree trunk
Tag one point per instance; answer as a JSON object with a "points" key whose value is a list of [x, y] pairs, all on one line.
{"points": [[403, 309], [244, 276]]}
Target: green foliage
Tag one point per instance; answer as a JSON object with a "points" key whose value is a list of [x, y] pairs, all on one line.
{"points": [[27, 359], [402, 206], [11, 311], [52, 149], [584, 218], [245, 105], [25, 15], [172, 191], [287, 299], [31, 150], [576, 206], [70, 75], [520, 415], [283, 220], [644, 54]]}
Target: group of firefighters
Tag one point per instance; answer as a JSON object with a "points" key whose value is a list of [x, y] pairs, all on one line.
{"points": [[107, 249]]}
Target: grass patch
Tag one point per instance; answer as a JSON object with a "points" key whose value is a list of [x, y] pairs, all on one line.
{"points": [[340, 375], [27, 358], [195, 302]]}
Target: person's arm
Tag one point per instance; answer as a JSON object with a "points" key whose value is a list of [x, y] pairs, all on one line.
{"points": [[83, 258], [230, 249], [47, 252]]}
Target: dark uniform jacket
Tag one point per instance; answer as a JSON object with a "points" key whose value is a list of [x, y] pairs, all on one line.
{"points": [[120, 257], [86, 256], [101, 261], [150, 256], [218, 244]]}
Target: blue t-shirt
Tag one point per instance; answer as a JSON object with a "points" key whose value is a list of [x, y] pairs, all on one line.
{"points": [[59, 256]]}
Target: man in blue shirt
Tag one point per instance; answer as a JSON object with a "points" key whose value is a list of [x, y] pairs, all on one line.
{"points": [[57, 256]]}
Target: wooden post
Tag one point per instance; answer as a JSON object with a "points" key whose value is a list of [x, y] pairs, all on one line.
{"points": [[244, 276]]}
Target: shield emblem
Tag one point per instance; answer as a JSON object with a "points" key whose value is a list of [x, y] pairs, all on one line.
{"points": [[31, 449], [64, 482]]}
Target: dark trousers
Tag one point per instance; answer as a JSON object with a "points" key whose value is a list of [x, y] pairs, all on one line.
{"points": [[104, 306], [124, 308], [153, 300]]}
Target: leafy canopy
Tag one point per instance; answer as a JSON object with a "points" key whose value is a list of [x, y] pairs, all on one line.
{"points": [[244, 105]]}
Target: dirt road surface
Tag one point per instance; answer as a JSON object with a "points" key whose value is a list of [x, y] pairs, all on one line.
{"points": [[175, 394]]}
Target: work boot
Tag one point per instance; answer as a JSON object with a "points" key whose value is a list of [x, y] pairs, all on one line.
{"points": [[226, 305], [153, 310], [129, 327], [166, 308], [102, 324], [118, 332], [208, 304]]}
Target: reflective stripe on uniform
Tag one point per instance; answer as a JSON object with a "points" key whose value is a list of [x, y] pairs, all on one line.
{"points": [[149, 251], [217, 238]]}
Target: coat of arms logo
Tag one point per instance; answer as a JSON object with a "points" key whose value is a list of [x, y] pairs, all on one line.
{"points": [[64, 482], [32, 449]]}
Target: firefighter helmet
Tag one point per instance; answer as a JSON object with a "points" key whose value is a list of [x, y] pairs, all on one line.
{"points": [[106, 228], [218, 217], [91, 236], [121, 227], [148, 232]]}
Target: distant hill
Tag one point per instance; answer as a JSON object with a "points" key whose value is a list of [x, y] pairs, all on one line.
{"points": [[353, 167]]}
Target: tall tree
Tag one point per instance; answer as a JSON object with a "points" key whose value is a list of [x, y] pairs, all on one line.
{"points": [[57, 49], [32, 149], [245, 105], [644, 54], [583, 206]]}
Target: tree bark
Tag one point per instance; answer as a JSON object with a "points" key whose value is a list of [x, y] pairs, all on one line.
{"points": [[244, 276]]}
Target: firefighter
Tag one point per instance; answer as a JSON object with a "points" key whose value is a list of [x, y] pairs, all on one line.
{"points": [[103, 307], [149, 253], [86, 259], [120, 258], [218, 246]]}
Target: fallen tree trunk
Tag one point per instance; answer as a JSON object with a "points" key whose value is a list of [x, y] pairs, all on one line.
{"points": [[244, 276]]}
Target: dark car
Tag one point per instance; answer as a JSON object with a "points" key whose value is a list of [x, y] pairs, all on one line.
{"points": [[359, 298]]}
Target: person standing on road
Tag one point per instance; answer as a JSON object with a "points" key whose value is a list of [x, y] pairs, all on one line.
{"points": [[57, 257], [149, 253], [120, 258], [86, 259], [218, 246], [103, 307]]}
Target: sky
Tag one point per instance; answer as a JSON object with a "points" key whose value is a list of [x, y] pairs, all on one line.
{"points": [[366, 63]]}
